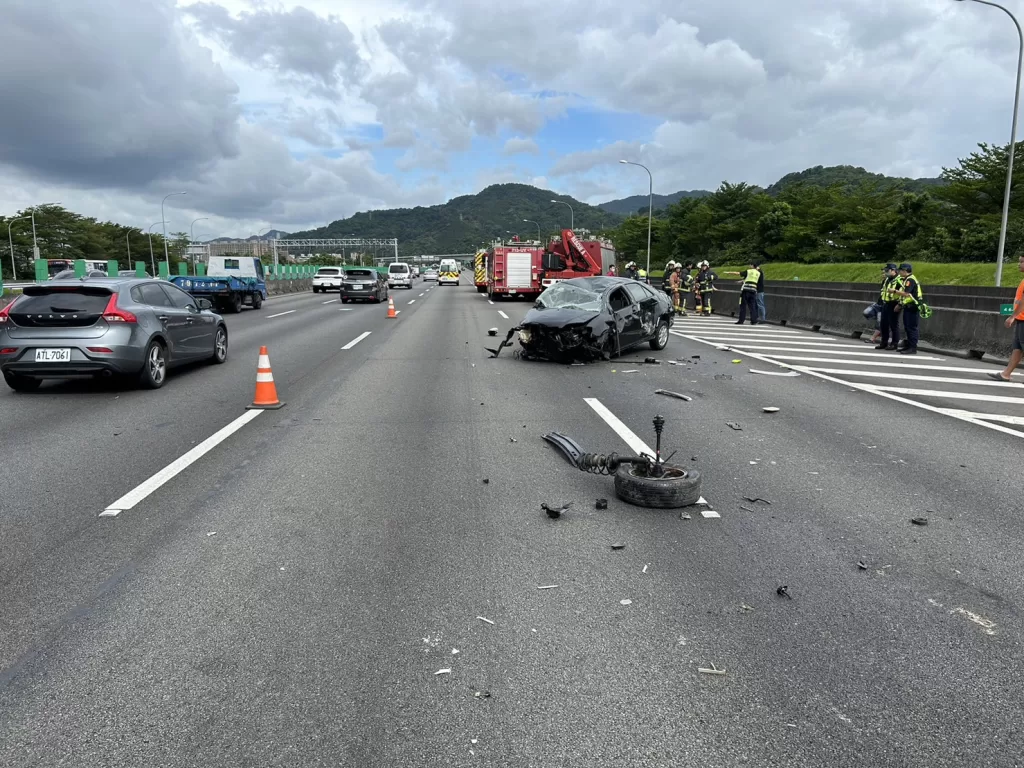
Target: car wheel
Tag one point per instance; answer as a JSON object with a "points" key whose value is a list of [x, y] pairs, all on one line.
{"points": [[660, 340], [315, 289], [154, 366], [21, 383], [220, 345], [678, 488], [344, 300], [257, 300]]}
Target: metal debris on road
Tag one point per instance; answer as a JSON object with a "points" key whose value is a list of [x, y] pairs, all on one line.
{"points": [[442, 672], [601, 504], [771, 409], [676, 395], [631, 370], [549, 586], [212, 533], [512, 440], [713, 671], [862, 565], [627, 601], [783, 592], [723, 377], [482, 695], [555, 512], [455, 651], [651, 361], [755, 499], [685, 516], [734, 425], [746, 509], [746, 608], [618, 546], [707, 513], [646, 567], [919, 520], [492, 331], [486, 620], [774, 373]]}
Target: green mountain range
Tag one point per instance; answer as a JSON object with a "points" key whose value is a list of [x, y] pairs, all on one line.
{"points": [[466, 223]]}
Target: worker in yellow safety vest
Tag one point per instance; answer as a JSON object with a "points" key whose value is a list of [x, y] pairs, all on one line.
{"points": [[748, 294]]}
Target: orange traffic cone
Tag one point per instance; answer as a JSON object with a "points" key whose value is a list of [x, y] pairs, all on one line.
{"points": [[266, 392], [391, 308]]}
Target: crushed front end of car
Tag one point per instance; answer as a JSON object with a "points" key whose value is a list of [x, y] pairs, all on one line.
{"points": [[569, 343]]}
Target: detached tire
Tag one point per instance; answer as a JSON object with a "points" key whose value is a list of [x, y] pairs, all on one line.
{"points": [[679, 488]]}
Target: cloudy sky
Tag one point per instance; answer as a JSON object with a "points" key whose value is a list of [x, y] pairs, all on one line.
{"points": [[292, 114]]}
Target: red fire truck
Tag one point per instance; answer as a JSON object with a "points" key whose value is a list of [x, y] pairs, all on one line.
{"points": [[526, 269]]}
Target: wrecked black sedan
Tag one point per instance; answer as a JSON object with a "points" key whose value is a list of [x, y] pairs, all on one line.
{"points": [[590, 318]]}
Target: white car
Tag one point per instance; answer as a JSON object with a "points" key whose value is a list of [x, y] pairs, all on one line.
{"points": [[430, 273], [328, 279], [399, 275]]}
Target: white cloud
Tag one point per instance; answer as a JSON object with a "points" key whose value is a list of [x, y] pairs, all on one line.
{"points": [[520, 146]]}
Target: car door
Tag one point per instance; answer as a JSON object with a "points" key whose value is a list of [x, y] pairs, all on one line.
{"points": [[200, 326], [626, 314], [173, 320], [648, 306]]}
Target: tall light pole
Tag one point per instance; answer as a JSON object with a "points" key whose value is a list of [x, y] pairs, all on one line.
{"points": [[1013, 141], [10, 240], [152, 259], [192, 237], [528, 221], [167, 256], [128, 242], [650, 211], [572, 214]]}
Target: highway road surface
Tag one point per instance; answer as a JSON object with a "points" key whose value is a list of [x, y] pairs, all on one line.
{"points": [[187, 583]]}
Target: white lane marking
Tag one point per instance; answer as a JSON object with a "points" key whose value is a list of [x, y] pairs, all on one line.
{"points": [[280, 314], [723, 327], [133, 497], [503, 314], [900, 376], [490, 302], [778, 344], [412, 301], [947, 395], [357, 339], [957, 413], [742, 335], [777, 350], [950, 368], [613, 421], [423, 294], [346, 309], [866, 388], [331, 301]]}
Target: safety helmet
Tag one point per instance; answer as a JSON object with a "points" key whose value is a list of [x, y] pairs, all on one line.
{"points": [[704, 264]]}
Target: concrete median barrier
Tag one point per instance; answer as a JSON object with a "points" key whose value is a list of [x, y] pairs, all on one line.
{"points": [[962, 330]]}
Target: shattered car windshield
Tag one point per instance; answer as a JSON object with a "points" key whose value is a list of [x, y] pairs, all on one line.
{"points": [[568, 296]]}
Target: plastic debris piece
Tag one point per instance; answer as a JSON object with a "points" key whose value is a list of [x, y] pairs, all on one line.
{"points": [[627, 601], [713, 671], [618, 546], [783, 592], [771, 409], [492, 331], [676, 395], [734, 425], [746, 608], [555, 512], [632, 370], [646, 567], [549, 586], [862, 565], [774, 373], [709, 513], [685, 516], [486, 620], [919, 520], [482, 695], [737, 361], [487, 481], [723, 377], [212, 533], [601, 504], [755, 499], [442, 672], [753, 462], [512, 440], [746, 509], [455, 651]]}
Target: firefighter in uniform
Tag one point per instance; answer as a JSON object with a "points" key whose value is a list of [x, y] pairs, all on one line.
{"points": [[704, 287], [890, 325], [748, 295], [666, 278], [910, 295]]}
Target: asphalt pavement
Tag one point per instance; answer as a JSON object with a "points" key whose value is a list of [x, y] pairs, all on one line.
{"points": [[354, 580]]}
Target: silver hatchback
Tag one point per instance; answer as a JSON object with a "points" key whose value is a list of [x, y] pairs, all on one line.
{"points": [[104, 327]]}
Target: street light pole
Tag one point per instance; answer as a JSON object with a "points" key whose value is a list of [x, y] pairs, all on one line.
{"points": [[167, 256], [35, 243], [1013, 141], [528, 221], [572, 214], [10, 240], [650, 212], [152, 259]]}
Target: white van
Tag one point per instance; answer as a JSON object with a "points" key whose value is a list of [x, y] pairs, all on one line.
{"points": [[399, 275], [449, 272]]}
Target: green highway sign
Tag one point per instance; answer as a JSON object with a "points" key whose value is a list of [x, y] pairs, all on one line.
{"points": [[1006, 309]]}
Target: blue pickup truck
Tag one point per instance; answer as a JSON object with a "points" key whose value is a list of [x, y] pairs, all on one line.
{"points": [[231, 282]]}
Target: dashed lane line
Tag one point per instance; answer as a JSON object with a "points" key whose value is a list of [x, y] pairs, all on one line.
{"points": [[357, 339], [503, 314], [281, 314]]}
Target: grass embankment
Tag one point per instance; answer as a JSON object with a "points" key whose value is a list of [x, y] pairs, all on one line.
{"points": [[928, 274]]}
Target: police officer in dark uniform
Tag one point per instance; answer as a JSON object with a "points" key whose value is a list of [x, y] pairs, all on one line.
{"points": [[910, 295], [890, 325]]}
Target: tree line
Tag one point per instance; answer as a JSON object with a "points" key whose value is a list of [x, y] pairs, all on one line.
{"points": [[954, 219], [63, 234]]}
